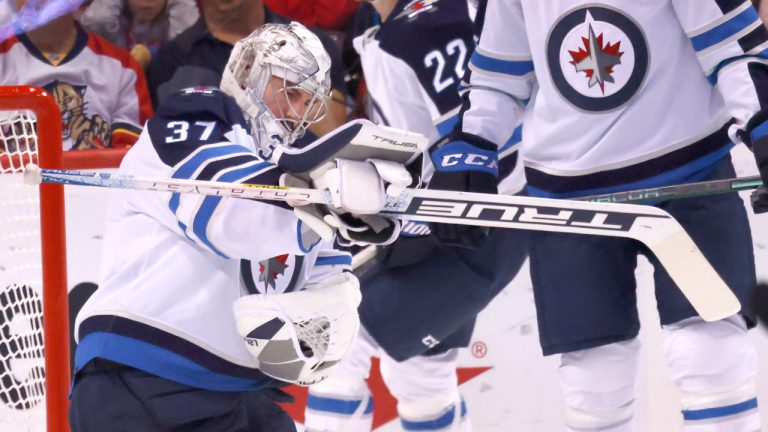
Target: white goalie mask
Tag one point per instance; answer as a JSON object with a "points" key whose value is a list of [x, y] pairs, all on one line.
{"points": [[285, 67]]}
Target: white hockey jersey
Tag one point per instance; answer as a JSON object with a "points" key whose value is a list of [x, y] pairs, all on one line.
{"points": [[174, 263], [413, 65], [630, 93], [100, 89]]}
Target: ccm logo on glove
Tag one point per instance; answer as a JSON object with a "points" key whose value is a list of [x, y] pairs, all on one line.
{"points": [[462, 156]]}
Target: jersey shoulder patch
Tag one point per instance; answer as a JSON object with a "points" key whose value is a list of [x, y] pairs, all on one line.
{"points": [[191, 118]]}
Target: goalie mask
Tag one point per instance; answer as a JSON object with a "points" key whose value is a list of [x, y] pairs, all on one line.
{"points": [[280, 78]]}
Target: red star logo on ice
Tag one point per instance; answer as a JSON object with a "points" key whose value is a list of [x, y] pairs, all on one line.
{"points": [[596, 60], [384, 405], [270, 269]]}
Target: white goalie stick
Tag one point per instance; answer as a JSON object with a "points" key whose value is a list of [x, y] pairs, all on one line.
{"points": [[652, 226]]}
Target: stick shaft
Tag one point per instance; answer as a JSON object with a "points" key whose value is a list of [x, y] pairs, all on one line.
{"points": [[200, 187], [689, 190]]}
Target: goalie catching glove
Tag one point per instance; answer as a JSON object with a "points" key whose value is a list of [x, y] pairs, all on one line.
{"points": [[300, 337]]}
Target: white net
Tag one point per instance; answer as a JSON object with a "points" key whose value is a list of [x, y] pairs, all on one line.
{"points": [[314, 336], [22, 380]]}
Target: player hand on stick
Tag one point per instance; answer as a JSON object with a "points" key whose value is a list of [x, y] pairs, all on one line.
{"points": [[756, 136], [467, 163]]}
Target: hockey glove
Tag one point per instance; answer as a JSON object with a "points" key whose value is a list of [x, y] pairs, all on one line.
{"points": [[467, 164], [358, 193], [300, 337], [756, 136]]}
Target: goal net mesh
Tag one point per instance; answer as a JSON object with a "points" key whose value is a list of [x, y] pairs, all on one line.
{"points": [[22, 371]]}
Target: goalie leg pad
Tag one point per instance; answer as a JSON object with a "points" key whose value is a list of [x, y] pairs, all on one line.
{"points": [[343, 402], [714, 365], [598, 386], [427, 392]]}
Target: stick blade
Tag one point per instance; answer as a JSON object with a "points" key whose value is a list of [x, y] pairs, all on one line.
{"points": [[694, 275]]}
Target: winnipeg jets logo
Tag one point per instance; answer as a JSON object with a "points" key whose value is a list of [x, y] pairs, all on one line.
{"points": [[597, 58], [271, 269]]}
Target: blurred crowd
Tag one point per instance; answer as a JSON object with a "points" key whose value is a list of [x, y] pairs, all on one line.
{"points": [[109, 63]]}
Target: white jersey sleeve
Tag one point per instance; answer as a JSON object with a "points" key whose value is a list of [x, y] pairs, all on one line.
{"points": [[328, 262], [502, 76], [731, 44], [200, 135]]}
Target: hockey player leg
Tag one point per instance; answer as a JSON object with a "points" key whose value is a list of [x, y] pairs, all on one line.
{"points": [[427, 392], [343, 402], [598, 386], [714, 365]]}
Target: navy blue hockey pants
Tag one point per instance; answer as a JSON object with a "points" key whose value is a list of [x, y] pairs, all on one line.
{"points": [[110, 397], [584, 286], [410, 306]]}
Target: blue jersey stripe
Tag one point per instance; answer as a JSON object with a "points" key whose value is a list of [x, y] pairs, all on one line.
{"points": [[200, 224], [712, 77], [517, 136], [337, 406], [691, 172], [158, 361], [173, 204], [509, 67], [724, 411], [439, 423], [208, 207], [188, 168], [446, 126], [725, 30], [334, 260], [300, 238], [165, 342]]}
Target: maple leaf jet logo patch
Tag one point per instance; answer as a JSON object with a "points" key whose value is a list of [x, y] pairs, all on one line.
{"points": [[597, 58], [271, 269]]}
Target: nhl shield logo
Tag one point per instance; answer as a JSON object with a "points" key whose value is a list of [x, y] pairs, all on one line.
{"points": [[597, 57]]}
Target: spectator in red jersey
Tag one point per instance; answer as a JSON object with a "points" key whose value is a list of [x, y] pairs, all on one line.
{"points": [[100, 88], [326, 14], [140, 26]]}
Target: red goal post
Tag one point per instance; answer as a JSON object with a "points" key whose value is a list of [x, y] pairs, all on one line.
{"points": [[33, 267]]}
